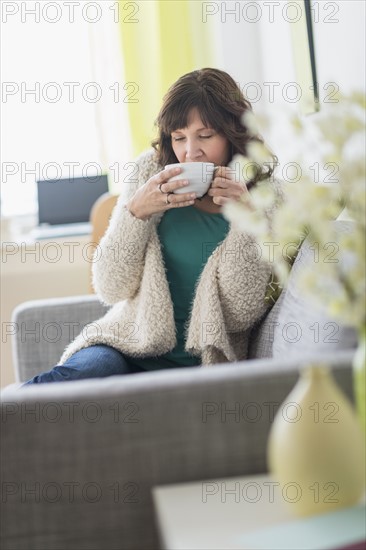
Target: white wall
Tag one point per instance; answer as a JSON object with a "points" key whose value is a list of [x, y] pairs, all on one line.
{"points": [[340, 46], [240, 42], [262, 52]]}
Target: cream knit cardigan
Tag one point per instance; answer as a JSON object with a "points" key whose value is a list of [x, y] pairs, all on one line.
{"points": [[129, 274]]}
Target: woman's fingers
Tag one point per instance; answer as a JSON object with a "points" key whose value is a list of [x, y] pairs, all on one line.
{"points": [[161, 180], [220, 200], [177, 201], [181, 198], [221, 182], [224, 185], [164, 190], [171, 186], [220, 192], [163, 176], [224, 176], [224, 172], [168, 173]]}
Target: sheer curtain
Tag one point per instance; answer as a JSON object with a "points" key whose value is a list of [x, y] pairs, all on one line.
{"points": [[60, 115]]}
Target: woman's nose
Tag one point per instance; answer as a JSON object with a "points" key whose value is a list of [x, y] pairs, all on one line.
{"points": [[193, 151]]}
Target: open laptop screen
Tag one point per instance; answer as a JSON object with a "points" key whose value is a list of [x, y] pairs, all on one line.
{"points": [[69, 200]]}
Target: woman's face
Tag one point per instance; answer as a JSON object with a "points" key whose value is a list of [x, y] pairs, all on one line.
{"points": [[197, 143]]}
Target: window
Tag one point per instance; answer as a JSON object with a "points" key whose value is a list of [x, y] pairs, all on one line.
{"points": [[59, 117]]}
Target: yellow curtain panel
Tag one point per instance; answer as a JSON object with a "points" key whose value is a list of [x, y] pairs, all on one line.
{"points": [[161, 41]]}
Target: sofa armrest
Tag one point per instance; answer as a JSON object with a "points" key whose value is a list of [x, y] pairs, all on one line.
{"points": [[79, 459], [43, 328]]}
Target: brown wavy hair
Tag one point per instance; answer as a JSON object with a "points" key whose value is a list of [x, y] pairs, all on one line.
{"points": [[221, 105]]}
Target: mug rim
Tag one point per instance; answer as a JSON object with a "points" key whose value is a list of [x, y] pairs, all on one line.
{"points": [[177, 164]]}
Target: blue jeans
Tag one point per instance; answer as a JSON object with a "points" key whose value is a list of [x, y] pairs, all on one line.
{"points": [[93, 362]]}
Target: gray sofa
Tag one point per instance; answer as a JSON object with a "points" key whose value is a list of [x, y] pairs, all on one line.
{"points": [[79, 459]]}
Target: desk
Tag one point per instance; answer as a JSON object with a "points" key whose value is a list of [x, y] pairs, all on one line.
{"points": [[240, 513], [32, 270]]}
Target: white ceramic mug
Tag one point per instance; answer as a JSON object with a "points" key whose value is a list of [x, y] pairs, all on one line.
{"points": [[199, 175]]}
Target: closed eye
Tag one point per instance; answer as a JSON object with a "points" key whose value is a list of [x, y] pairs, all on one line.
{"points": [[181, 138]]}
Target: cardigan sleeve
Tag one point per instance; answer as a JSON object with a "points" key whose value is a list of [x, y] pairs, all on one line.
{"points": [[119, 259]]}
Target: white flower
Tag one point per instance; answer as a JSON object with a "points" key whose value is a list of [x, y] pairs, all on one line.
{"points": [[249, 120], [330, 150], [244, 219], [259, 153], [262, 196], [254, 122]]}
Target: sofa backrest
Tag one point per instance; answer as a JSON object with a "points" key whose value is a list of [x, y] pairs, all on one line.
{"points": [[79, 460]]}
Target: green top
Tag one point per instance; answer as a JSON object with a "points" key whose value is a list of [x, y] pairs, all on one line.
{"points": [[188, 237]]}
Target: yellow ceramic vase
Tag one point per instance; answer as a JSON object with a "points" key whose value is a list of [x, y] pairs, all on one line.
{"points": [[316, 447], [359, 376]]}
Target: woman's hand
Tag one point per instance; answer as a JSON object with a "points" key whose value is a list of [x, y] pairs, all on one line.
{"points": [[225, 186], [157, 195]]}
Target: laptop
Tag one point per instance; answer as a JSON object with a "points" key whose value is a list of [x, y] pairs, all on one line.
{"points": [[64, 205]]}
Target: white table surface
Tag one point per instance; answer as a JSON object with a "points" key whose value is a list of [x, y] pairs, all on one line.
{"points": [[218, 514], [188, 522]]}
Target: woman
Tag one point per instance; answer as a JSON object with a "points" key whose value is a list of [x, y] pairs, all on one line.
{"points": [[184, 285]]}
